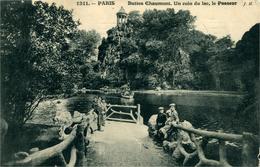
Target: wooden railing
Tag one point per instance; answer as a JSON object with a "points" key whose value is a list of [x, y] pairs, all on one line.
{"points": [[76, 141], [114, 109], [200, 139]]}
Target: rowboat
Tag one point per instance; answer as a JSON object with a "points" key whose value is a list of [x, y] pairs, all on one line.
{"points": [[127, 96]]}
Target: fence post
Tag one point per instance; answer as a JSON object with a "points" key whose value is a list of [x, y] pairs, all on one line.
{"points": [[223, 154], [248, 150], [61, 159], [80, 144], [138, 114]]}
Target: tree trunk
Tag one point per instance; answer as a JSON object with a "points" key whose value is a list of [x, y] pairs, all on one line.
{"points": [[217, 82]]}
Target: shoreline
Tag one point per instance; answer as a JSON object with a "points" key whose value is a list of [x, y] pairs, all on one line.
{"points": [[174, 92]]}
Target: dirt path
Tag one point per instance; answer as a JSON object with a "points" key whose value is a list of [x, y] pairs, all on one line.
{"points": [[125, 144]]}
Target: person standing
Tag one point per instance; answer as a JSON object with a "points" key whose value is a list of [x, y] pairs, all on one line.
{"points": [[98, 110], [104, 110]]}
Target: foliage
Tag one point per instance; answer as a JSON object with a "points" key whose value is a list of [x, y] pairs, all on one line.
{"points": [[149, 45], [16, 65], [91, 76], [52, 29], [246, 65], [247, 58], [162, 47], [199, 57], [42, 54]]}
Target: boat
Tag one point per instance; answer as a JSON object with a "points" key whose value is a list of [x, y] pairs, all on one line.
{"points": [[126, 92], [131, 96]]}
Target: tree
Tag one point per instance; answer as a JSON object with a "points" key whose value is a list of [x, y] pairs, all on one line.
{"points": [[164, 38], [165, 44], [246, 66], [16, 67], [219, 63], [83, 47], [247, 58], [91, 77], [84, 44], [199, 58], [43, 52], [148, 43]]}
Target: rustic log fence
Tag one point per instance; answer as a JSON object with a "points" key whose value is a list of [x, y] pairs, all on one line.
{"points": [[76, 141], [134, 110], [200, 139]]}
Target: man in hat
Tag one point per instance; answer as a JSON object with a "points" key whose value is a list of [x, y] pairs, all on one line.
{"points": [[160, 122], [98, 110], [161, 118], [104, 110], [173, 112]]}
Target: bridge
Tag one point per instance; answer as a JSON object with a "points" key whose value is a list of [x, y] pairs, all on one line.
{"points": [[125, 142]]}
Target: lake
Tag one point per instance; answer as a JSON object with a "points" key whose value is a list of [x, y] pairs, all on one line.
{"points": [[205, 110]]}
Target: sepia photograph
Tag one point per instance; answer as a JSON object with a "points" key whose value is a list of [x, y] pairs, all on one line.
{"points": [[129, 83]]}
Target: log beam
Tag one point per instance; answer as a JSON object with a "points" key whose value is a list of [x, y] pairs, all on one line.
{"points": [[80, 145], [210, 134], [62, 160], [41, 156], [73, 157]]}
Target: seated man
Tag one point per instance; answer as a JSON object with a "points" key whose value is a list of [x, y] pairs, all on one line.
{"points": [[161, 118], [160, 122], [173, 112]]}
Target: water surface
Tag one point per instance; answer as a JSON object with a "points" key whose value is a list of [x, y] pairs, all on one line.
{"points": [[207, 111]]}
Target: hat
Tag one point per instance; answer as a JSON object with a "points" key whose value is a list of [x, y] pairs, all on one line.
{"points": [[160, 108], [172, 104]]}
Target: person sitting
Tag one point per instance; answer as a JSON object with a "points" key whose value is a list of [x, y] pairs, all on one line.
{"points": [[173, 112], [161, 118], [160, 122]]}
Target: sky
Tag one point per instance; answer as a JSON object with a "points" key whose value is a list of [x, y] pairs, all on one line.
{"points": [[216, 20]]}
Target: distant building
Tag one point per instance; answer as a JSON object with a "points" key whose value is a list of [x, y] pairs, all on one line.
{"points": [[121, 17]]}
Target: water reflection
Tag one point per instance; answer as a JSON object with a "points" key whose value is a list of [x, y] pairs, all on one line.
{"points": [[206, 112]]}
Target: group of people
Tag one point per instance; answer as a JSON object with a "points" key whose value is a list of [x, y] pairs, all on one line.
{"points": [[162, 129], [163, 124]]}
